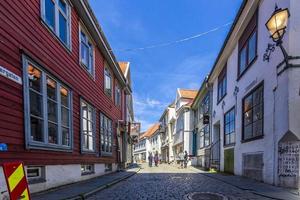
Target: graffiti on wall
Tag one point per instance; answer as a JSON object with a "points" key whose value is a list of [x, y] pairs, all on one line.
{"points": [[288, 160]]}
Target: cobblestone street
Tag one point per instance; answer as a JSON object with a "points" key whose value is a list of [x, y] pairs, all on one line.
{"points": [[169, 182]]}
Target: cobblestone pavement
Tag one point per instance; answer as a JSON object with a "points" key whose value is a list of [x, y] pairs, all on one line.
{"points": [[168, 182]]}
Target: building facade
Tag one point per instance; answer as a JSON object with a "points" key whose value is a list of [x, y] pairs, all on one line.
{"points": [[207, 154], [62, 92], [167, 124], [255, 102], [183, 133]]}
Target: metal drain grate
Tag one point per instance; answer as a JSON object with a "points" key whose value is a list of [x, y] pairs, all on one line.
{"points": [[205, 196]]}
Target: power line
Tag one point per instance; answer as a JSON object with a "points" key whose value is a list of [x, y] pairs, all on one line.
{"points": [[176, 41]]}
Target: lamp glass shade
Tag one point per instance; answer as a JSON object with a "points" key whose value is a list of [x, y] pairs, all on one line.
{"points": [[277, 24]]}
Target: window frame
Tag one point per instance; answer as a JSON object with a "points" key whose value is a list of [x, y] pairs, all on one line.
{"points": [[84, 150], [245, 44], [243, 140], [106, 153], [118, 95], [45, 145], [40, 179], [55, 30], [89, 39], [222, 79], [108, 72], [87, 172], [224, 127]]}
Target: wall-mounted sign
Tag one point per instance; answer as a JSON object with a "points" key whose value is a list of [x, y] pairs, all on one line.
{"points": [[3, 147], [10, 75], [205, 119], [135, 128]]}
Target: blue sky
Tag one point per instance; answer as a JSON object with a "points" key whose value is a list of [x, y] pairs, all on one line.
{"points": [[158, 72]]}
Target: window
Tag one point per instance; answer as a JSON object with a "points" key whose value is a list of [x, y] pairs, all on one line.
{"points": [[35, 174], [87, 127], [106, 135], [229, 127], [86, 52], [206, 136], [108, 167], [108, 82], [87, 169], [56, 14], [118, 96], [48, 117], [201, 139], [248, 46], [222, 84], [253, 114]]}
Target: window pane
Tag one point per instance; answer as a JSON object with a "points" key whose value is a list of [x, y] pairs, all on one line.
{"points": [[49, 13], [243, 63], [51, 89], [36, 129], [63, 28], [84, 53], [52, 133], [52, 111], [248, 103], [65, 116], [232, 137], [36, 104], [248, 132], [252, 48], [84, 125], [35, 80], [64, 96], [248, 117], [84, 110], [65, 137], [90, 127], [62, 6], [85, 141], [257, 128], [91, 146], [257, 112], [258, 96]]}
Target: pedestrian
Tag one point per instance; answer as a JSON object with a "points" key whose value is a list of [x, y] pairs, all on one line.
{"points": [[150, 157], [185, 159], [181, 159], [156, 159]]}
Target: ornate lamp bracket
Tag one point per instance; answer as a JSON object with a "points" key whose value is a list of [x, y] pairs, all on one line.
{"points": [[269, 50]]}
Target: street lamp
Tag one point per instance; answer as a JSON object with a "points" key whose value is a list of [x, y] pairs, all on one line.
{"points": [[276, 26]]}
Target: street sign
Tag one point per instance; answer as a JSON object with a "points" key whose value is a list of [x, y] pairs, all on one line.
{"points": [[10, 75], [16, 181], [135, 128], [3, 147], [206, 119]]}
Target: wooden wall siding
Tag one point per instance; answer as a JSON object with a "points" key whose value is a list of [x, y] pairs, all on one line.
{"points": [[21, 30]]}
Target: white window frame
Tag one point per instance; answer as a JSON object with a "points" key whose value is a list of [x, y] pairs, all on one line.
{"points": [[118, 95], [104, 132], [38, 179], [87, 150], [90, 67], [57, 11], [108, 73], [32, 144]]}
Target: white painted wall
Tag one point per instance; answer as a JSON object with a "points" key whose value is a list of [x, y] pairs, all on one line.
{"points": [[281, 93]]}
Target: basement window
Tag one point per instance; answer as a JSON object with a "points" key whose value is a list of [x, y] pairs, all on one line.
{"points": [[108, 167], [87, 169], [35, 174]]}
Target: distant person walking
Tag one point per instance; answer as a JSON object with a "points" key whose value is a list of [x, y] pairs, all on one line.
{"points": [[181, 159], [185, 159], [150, 158], [156, 159]]}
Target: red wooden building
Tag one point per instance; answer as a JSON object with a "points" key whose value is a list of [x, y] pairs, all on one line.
{"points": [[62, 93]]}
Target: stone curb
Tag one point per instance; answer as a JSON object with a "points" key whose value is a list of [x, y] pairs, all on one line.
{"points": [[90, 193]]}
